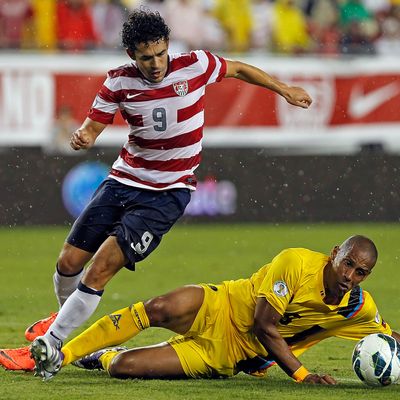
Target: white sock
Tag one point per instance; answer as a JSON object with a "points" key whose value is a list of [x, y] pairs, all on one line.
{"points": [[75, 311], [65, 285]]}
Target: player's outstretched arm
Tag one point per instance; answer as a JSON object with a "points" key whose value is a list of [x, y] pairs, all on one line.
{"points": [[266, 319], [248, 73], [86, 135]]}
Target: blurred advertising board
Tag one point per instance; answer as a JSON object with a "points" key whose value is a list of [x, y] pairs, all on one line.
{"points": [[234, 185], [356, 103]]}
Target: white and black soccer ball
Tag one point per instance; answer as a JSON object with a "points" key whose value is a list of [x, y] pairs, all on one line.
{"points": [[376, 360]]}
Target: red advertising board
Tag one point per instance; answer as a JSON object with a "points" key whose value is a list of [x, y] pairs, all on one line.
{"points": [[354, 101], [337, 101]]}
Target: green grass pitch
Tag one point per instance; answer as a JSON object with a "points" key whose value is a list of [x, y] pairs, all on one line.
{"points": [[188, 254]]}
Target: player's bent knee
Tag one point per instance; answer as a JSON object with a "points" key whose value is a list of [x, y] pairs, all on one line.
{"points": [[158, 310], [68, 263]]}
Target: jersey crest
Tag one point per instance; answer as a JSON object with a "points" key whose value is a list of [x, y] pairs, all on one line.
{"points": [[181, 88]]}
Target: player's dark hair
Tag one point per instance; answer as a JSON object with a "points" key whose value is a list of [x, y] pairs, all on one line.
{"points": [[144, 26]]}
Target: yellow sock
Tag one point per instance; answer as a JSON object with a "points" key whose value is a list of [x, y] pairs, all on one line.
{"points": [[139, 315], [106, 359], [111, 330]]}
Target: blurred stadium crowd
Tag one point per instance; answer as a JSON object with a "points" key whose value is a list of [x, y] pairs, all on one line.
{"points": [[330, 27]]}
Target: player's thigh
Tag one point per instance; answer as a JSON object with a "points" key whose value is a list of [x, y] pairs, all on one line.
{"points": [[158, 361], [147, 220], [92, 227], [176, 310], [193, 354], [208, 348]]}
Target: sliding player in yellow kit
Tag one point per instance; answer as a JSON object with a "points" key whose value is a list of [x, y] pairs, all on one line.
{"points": [[288, 305]]}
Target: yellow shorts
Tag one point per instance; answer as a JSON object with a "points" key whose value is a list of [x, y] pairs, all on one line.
{"points": [[210, 348]]}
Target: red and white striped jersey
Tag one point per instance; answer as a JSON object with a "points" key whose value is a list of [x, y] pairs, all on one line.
{"points": [[166, 119]]}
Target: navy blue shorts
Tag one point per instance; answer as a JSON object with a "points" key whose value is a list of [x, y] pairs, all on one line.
{"points": [[138, 218]]}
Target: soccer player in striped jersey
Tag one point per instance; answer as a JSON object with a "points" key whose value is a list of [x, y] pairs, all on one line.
{"points": [[161, 97]]}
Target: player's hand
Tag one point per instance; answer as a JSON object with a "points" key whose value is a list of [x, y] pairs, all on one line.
{"points": [[298, 97], [319, 379], [80, 139]]}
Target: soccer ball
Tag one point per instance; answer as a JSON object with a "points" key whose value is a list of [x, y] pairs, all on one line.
{"points": [[376, 360]]}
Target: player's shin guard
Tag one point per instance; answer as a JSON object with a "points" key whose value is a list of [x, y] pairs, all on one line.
{"points": [[65, 285], [111, 330], [76, 310]]}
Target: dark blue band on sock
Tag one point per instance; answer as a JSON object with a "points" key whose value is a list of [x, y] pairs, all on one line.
{"points": [[88, 290], [66, 275], [58, 340]]}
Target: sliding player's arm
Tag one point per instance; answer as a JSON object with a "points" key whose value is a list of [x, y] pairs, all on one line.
{"points": [[86, 135], [266, 319], [396, 336], [294, 95]]}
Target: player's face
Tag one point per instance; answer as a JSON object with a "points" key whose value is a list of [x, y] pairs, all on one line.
{"points": [[350, 266], [152, 59]]}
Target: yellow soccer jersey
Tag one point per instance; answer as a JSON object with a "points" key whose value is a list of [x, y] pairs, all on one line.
{"points": [[293, 284]]}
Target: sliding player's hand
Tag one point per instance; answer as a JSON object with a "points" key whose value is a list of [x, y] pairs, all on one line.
{"points": [[319, 379]]}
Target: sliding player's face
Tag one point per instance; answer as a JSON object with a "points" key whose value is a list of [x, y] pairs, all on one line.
{"points": [[152, 59], [351, 265]]}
